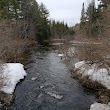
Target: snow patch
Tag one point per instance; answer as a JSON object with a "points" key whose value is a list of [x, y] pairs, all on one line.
{"points": [[13, 72], [100, 75], [79, 64], [98, 106]]}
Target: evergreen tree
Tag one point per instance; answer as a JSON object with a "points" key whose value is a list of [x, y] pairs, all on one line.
{"points": [[83, 14], [83, 19], [91, 12], [29, 13], [8, 9], [43, 27], [60, 29], [91, 29]]}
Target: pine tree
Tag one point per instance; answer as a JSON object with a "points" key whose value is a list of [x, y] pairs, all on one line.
{"points": [[29, 13], [43, 27], [83, 16], [83, 20], [91, 18]]}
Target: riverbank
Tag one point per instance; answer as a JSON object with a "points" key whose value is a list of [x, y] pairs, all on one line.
{"points": [[96, 78], [48, 86], [12, 73]]}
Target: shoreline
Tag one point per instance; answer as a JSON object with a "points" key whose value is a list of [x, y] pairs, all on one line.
{"points": [[102, 92]]}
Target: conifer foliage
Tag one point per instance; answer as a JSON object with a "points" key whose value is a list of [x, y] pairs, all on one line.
{"points": [[93, 20], [30, 14]]}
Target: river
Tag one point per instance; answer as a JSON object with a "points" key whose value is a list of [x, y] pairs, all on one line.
{"points": [[48, 86]]}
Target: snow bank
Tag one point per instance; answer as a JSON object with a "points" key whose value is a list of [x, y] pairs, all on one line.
{"points": [[12, 72], [98, 106], [100, 75]]}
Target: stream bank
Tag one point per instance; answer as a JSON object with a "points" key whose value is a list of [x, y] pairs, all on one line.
{"points": [[49, 86], [96, 78]]}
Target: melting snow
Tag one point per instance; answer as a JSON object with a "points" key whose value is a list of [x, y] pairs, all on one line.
{"points": [[13, 72], [100, 75], [79, 64], [98, 106]]}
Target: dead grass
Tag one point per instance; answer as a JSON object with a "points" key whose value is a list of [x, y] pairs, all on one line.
{"points": [[94, 52], [12, 45], [88, 83], [18, 47]]}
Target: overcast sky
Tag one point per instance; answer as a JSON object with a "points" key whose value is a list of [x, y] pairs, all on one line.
{"points": [[64, 10]]}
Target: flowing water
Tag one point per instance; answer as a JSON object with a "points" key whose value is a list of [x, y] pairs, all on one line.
{"points": [[48, 86]]}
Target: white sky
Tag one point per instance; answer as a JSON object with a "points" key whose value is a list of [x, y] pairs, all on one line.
{"points": [[64, 10]]}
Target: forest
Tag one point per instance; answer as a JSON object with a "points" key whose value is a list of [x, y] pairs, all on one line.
{"points": [[49, 64], [23, 23], [94, 27]]}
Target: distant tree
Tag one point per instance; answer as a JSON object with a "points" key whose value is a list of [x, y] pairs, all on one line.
{"points": [[43, 28], [83, 19], [83, 14], [91, 12], [91, 29], [60, 29]]}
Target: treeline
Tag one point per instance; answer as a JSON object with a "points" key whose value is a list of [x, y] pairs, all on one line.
{"points": [[60, 30], [95, 30], [32, 18], [24, 22], [95, 21]]}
